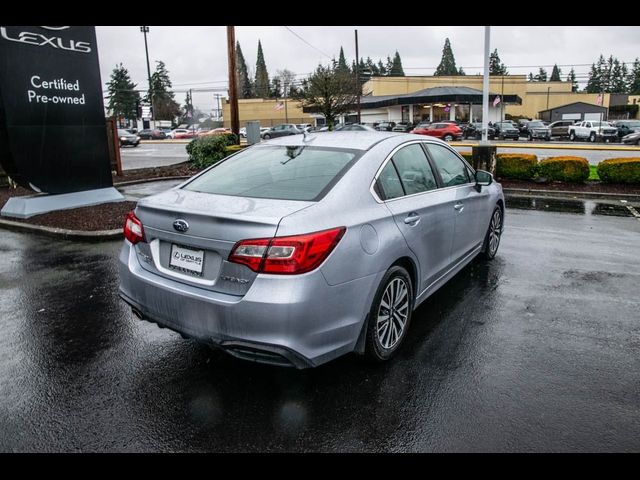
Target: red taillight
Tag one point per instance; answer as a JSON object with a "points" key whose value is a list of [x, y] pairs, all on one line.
{"points": [[287, 255], [133, 230]]}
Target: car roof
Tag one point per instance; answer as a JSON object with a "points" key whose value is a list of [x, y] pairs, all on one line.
{"points": [[356, 140]]}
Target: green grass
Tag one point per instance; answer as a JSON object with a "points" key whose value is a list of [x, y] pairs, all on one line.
{"points": [[593, 173]]}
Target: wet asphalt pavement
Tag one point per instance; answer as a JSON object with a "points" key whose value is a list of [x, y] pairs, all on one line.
{"points": [[535, 351]]}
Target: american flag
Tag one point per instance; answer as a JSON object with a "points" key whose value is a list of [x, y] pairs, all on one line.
{"points": [[496, 101], [599, 100], [279, 106]]}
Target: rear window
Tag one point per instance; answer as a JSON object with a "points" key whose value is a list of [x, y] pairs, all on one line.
{"points": [[277, 172]]}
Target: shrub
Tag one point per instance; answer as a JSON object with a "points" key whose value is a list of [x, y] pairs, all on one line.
{"points": [[619, 170], [205, 151], [521, 166], [566, 169]]}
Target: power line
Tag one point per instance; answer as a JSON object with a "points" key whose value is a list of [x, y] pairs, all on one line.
{"points": [[315, 48]]}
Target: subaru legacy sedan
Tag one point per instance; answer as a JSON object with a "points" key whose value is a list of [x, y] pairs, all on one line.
{"points": [[301, 249]]}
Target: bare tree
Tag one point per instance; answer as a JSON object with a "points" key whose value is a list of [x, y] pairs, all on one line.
{"points": [[329, 92]]}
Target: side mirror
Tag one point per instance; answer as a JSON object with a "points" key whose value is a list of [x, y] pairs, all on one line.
{"points": [[483, 179]]}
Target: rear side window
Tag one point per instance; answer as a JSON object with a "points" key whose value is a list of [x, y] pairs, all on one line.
{"points": [[389, 182], [453, 171], [277, 172]]}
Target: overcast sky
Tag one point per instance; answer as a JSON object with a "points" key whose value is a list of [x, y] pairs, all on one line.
{"points": [[196, 56]]}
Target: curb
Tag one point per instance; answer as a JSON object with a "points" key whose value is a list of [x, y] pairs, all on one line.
{"points": [[85, 236], [541, 146], [569, 193], [149, 180]]}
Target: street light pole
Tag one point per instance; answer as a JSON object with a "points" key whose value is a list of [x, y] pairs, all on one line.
{"points": [[286, 110], [145, 30], [485, 88], [358, 78]]}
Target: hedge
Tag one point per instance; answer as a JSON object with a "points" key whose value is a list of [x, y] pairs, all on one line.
{"points": [[619, 170], [210, 149], [566, 169], [520, 166]]}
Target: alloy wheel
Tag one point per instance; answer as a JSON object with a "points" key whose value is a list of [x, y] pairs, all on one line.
{"points": [[392, 313], [495, 230]]}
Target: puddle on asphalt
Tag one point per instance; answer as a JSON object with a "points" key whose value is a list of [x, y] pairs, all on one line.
{"points": [[582, 207]]}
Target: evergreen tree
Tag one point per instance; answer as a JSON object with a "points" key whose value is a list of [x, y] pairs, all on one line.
{"points": [[555, 74], [242, 74], [530, 78], [541, 76], [461, 71], [276, 88], [342, 66], [372, 67], [389, 65], [633, 78], [572, 78], [396, 67], [123, 97], [594, 84], [381, 68], [162, 98], [617, 82], [261, 84], [448, 62], [496, 67]]}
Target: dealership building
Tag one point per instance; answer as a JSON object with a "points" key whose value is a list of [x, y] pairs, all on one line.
{"points": [[416, 98]]}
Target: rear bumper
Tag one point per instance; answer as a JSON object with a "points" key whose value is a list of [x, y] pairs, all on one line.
{"points": [[298, 321]]}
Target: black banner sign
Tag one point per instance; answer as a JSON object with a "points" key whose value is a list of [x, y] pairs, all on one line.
{"points": [[52, 121]]}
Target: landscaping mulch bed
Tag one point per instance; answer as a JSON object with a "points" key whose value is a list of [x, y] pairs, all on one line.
{"points": [[588, 187], [178, 170]]}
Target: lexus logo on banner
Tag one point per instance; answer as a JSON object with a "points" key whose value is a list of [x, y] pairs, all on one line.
{"points": [[53, 135]]}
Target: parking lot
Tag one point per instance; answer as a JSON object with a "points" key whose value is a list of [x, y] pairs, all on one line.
{"points": [[535, 351]]}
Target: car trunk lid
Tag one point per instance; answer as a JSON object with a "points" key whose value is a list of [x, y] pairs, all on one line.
{"points": [[211, 224]]}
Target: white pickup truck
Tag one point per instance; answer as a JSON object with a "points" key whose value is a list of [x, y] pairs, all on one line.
{"points": [[593, 130]]}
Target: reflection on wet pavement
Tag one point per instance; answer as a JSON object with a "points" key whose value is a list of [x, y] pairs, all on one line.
{"points": [[582, 207]]}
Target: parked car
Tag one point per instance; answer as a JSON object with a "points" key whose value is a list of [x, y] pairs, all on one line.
{"points": [[504, 130], [294, 253], [149, 134], [593, 131], [305, 127], [185, 135], [422, 125], [175, 131], [281, 131], [632, 138], [536, 129], [403, 127], [625, 127], [214, 131], [474, 130], [385, 126], [522, 125], [127, 138], [445, 131], [560, 129]]}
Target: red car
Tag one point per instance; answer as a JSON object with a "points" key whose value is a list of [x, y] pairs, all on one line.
{"points": [[444, 131], [185, 135]]}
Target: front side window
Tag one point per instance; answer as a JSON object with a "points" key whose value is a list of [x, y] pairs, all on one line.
{"points": [[414, 169], [452, 169], [277, 172]]}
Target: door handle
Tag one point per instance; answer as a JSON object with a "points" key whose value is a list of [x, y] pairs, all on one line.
{"points": [[412, 219], [459, 206]]}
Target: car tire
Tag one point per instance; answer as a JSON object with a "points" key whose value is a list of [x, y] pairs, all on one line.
{"points": [[448, 138], [530, 138], [592, 137], [547, 139], [381, 342], [494, 232], [267, 136], [572, 137]]}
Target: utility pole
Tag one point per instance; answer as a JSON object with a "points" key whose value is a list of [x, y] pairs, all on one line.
{"points": [[548, 90], [145, 30], [233, 91], [286, 111], [358, 78]]}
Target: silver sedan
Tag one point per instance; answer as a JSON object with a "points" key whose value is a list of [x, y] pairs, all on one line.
{"points": [[299, 250]]}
